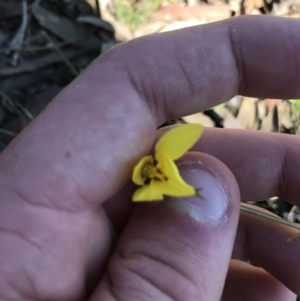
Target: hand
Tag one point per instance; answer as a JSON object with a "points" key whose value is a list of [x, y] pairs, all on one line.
{"points": [[67, 231]]}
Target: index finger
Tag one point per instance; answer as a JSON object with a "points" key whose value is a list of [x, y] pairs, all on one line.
{"points": [[81, 149]]}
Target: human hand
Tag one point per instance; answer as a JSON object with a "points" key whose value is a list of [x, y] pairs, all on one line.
{"points": [[67, 231]]}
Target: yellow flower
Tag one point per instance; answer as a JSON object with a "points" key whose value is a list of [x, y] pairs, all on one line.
{"points": [[158, 175]]}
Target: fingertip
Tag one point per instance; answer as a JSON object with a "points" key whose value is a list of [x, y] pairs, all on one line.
{"points": [[168, 251], [246, 282]]}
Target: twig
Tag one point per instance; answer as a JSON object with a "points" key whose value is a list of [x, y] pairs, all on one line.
{"points": [[61, 54], [269, 217], [42, 62], [12, 107], [24, 111], [8, 103], [19, 36], [9, 133], [98, 8], [291, 217], [36, 2], [34, 48]]}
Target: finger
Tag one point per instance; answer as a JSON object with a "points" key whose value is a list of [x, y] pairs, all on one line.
{"points": [[51, 255], [268, 155], [235, 58], [246, 282], [264, 164], [275, 157], [118, 210], [171, 250], [265, 244]]}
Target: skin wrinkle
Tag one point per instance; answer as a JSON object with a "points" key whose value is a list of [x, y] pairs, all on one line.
{"points": [[169, 266], [295, 53], [188, 79], [49, 202], [171, 249], [20, 292], [30, 281], [98, 171], [224, 59], [163, 242], [80, 154], [147, 97], [44, 205], [153, 284], [238, 59], [158, 96], [217, 80], [88, 205], [289, 168], [114, 286], [292, 43], [22, 237], [138, 272], [101, 173], [153, 94], [134, 82], [111, 290], [282, 183]]}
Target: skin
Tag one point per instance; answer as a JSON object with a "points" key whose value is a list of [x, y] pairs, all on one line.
{"points": [[68, 230]]}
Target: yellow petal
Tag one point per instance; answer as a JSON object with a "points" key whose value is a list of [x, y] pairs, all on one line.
{"points": [[177, 141], [137, 171], [175, 185], [147, 193], [175, 188]]}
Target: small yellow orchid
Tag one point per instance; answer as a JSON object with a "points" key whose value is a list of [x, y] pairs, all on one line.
{"points": [[158, 175]]}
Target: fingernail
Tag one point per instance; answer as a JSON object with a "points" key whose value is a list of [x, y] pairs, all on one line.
{"points": [[214, 205]]}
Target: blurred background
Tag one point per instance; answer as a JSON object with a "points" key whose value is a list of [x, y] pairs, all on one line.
{"points": [[45, 44]]}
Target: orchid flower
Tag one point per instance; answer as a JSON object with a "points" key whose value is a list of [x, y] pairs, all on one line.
{"points": [[157, 175]]}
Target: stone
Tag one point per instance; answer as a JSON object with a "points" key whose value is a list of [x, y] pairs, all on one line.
{"points": [[205, 13], [247, 115], [199, 118]]}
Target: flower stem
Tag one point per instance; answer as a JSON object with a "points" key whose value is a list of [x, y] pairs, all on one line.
{"points": [[198, 194], [61, 54], [269, 217]]}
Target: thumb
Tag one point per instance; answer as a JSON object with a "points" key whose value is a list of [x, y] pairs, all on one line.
{"points": [[178, 249]]}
